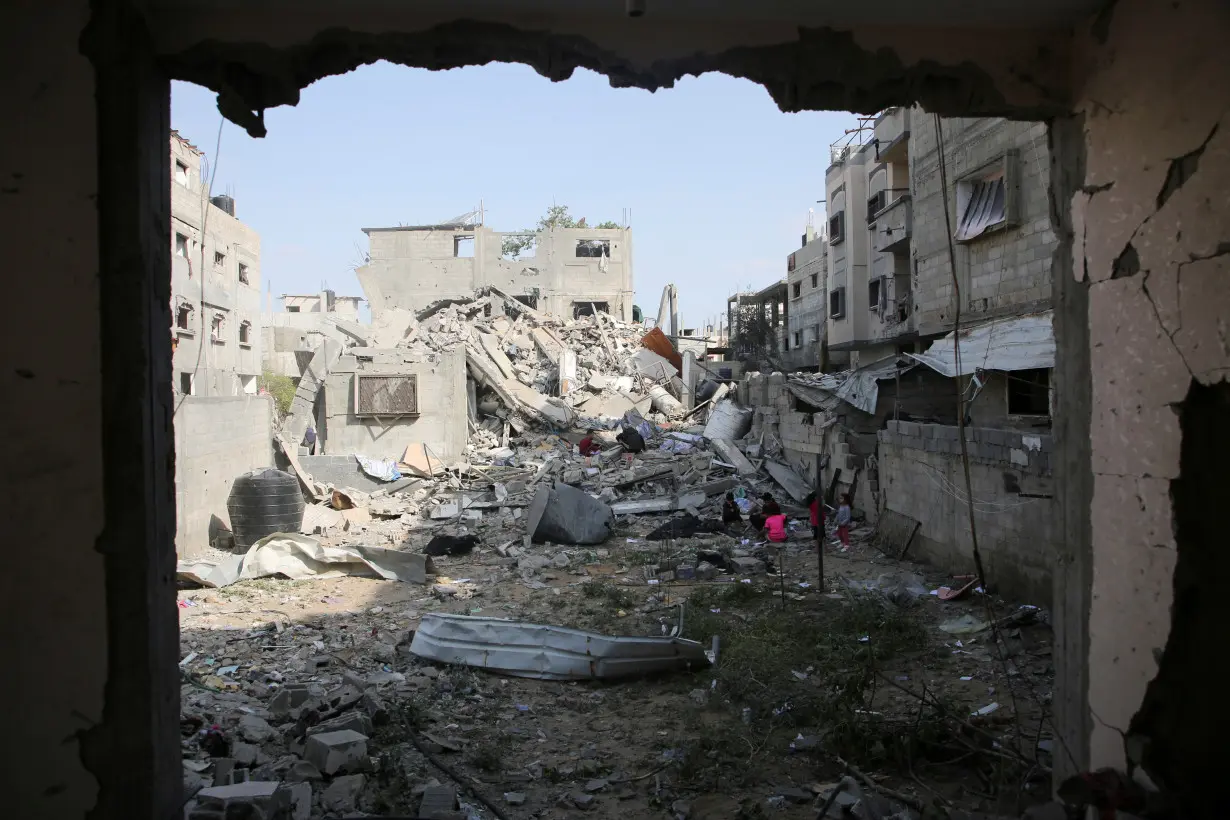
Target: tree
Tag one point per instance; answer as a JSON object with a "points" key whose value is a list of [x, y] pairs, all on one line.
{"points": [[282, 388], [557, 216]]}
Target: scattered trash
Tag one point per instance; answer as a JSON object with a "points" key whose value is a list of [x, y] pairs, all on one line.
{"points": [[965, 625], [986, 710]]}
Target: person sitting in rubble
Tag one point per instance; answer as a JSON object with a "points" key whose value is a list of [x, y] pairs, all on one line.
{"points": [[631, 440], [588, 446], [730, 510], [767, 507], [775, 526]]}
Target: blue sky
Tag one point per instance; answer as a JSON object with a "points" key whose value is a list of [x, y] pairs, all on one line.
{"points": [[718, 180]]}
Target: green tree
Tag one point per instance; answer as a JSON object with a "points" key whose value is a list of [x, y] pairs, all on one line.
{"points": [[557, 216], [282, 388]]}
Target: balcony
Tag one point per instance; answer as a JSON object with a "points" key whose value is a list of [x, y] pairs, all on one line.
{"points": [[894, 226], [893, 135]]}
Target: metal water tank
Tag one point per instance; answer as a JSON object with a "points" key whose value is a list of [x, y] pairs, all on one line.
{"points": [[261, 503]]}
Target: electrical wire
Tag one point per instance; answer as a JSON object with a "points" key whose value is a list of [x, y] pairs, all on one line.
{"points": [[205, 191]]}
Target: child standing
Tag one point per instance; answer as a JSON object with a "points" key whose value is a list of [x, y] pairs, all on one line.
{"points": [[843, 520]]}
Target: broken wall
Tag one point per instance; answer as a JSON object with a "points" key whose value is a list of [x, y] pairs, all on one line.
{"points": [[413, 268], [442, 420], [922, 477], [217, 439]]}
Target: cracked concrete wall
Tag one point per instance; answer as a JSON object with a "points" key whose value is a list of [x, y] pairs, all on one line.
{"points": [[1151, 238]]}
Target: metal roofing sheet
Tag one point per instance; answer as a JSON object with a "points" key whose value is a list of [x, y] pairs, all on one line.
{"points": [[1015, 343]]}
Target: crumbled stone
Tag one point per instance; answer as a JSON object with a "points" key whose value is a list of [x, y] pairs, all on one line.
{"points": [[334, 752], [256, 729], [439, 803], [353, 721], [342, 796], [514, 798]]}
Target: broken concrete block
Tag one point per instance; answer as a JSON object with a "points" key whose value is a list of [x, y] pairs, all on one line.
{"points": [[567, 515], [301, 772], [256, 729], [342, 751], [439, 803], [706, 571], [354, 721], [300, 800], [342, 796], [244, 753], [748, 566], [374, 706], [263, 799], [223, 767], [514, 798]]}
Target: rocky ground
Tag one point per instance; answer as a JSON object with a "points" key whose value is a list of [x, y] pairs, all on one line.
{"points": [[813, 682]]}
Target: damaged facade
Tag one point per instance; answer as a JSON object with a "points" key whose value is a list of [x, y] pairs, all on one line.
{"points": [[292, 335], [566, 272]]}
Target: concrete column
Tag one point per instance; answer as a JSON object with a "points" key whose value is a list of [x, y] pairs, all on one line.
{"points": [[688, 374]]}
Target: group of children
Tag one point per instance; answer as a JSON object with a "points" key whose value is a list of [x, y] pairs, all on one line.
{"points": [[768, 516]]}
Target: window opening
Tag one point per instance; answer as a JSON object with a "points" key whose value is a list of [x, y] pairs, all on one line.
{"points": [[837, 303], [181, 245], [985, 207], [215, 329], [243, 273], [463, 247], [292, 309], [815, 280], [875, 292], [593, 248], [219, 259], [798, 338], [386, 395], [181, 173], [245, 333], [1029, 392], [183, 317], [796, 290], [187, 384], [580, 309]]}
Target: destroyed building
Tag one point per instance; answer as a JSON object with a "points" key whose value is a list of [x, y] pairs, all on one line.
{"points": [[293, 334], [566, 272]]}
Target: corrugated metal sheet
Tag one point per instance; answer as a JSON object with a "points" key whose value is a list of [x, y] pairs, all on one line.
{"points": [[1017, 343], [549, 652], [857, 387]]}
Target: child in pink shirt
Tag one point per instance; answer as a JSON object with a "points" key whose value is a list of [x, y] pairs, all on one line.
{"points": [[776, 525]]}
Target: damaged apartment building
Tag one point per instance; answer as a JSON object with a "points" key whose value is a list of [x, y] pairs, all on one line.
{"points": [[408, 380], [292, 335], [881, 423]]}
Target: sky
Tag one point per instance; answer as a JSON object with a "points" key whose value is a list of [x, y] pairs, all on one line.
{"points": [[717, 180]]}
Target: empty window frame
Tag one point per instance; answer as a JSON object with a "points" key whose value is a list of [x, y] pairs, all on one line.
{"points": [[292, 309], [386, 395], [463, 247], [875, 293], [1029, 392], [181, 245], [245, 333], [243, 273], [789, 263], [984, 207], [593, 248], [837, 228], [219, 259], [181, 173], [837, 303], [248, 384], [798, 339], [815, 280], [215, 329], [796, 290], [183, 316], [815, 333], [187, 384], [580, 309]]}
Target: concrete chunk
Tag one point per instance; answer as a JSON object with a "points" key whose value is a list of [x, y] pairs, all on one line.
{"points": [[341, 751], [264, 799], [567, 515], [439, 803], [342, 796]]}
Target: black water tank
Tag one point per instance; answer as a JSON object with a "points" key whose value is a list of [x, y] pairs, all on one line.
{"points": [[263, 502]]}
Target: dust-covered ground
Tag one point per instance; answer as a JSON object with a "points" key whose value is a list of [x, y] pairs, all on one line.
{"points": [[812, 682]]}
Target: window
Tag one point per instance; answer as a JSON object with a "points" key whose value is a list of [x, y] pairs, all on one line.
{"points": [[593, 248], [245, 333], [292, 309], [1029, 393], [215, 329], [789, 263], [181, 173], [183, 316], [837, 228], [181, 245], [985, 200], [386, 395], [243, 273], [219, 259], [875, 293], [815, 280], [796, 290], [875, 204], [815, 333], [837, 303], [580, 309], [248, 384], [187, 384], [463, 247], [798, 339]]}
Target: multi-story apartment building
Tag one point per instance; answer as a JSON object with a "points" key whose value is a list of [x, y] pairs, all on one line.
{"points": [[215, 284], [806, 291]]}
